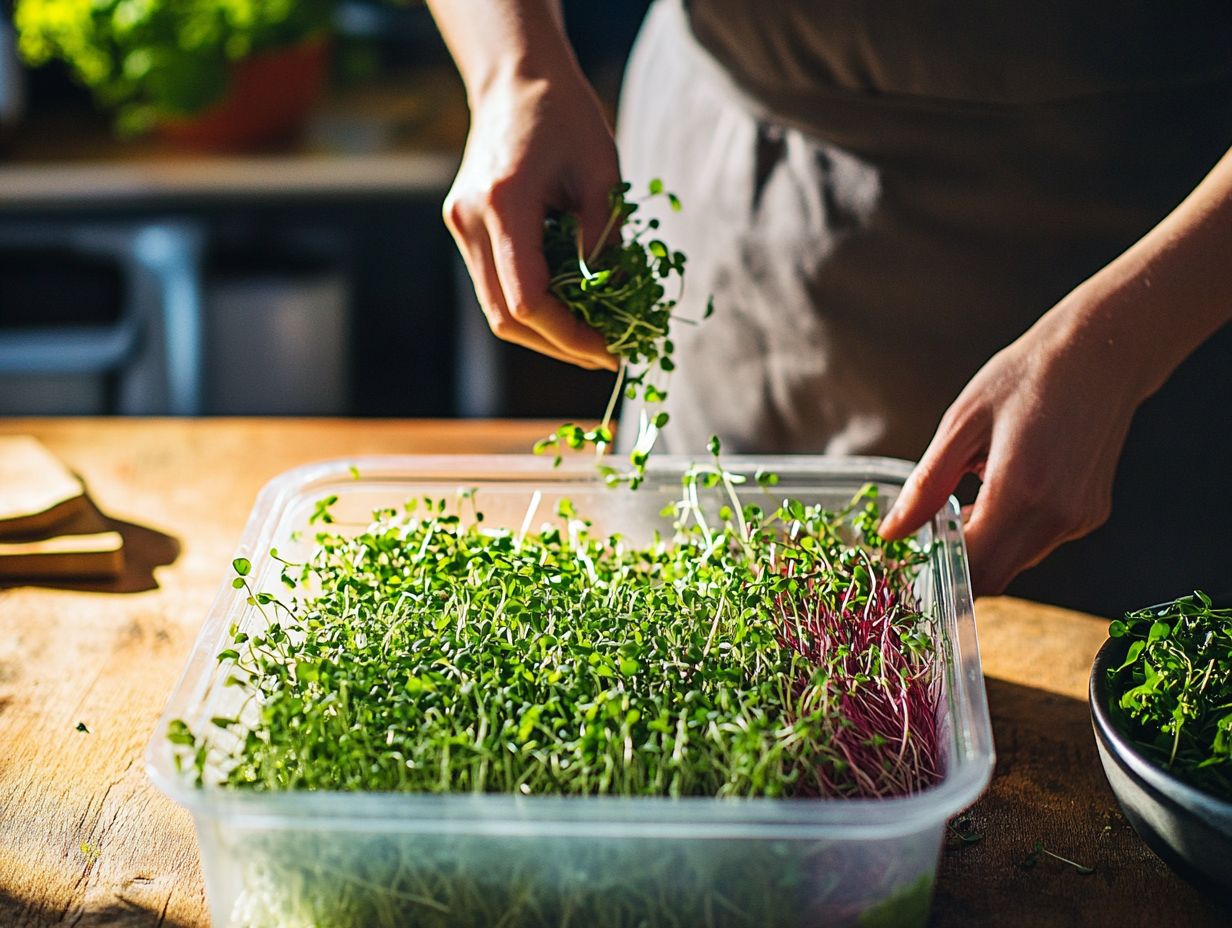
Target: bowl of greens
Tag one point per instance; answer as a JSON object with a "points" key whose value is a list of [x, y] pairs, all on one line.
{"points": [[1161, 707]]}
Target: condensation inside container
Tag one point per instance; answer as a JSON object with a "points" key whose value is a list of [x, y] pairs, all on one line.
{"points": [[364, 880]]}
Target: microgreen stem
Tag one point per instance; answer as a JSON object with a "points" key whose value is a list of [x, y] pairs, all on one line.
{"points": [[612, 219], [535, 499], [606, 422]]}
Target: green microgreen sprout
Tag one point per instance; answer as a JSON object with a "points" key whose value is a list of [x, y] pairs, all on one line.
{"points": [[1033, 858], [1173, 693], [89, 852], [621, 289]]}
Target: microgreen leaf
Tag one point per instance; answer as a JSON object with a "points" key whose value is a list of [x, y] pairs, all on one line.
{"points": [[961, 829]]}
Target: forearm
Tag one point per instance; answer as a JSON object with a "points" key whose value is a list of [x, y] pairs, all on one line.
{"points": [[538, 142], [493, 40], [1150, 308]]}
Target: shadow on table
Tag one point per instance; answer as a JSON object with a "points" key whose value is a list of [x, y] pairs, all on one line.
{"points": [[122, 913], [1049, 787], [144, 549]]}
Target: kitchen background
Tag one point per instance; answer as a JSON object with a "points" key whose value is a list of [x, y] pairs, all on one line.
{"points": [[198, 268]]}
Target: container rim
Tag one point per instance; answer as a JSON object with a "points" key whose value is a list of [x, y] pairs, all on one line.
{"points": [[499, 814]]}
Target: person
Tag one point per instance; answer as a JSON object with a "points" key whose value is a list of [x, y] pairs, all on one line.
{"points": [[995, 236]]}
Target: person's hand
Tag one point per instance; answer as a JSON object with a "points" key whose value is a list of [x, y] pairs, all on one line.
{"points": [[1042, 424], [534, 145]]}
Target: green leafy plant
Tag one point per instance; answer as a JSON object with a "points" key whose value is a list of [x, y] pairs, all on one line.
{"points": [[148, 59], [622, 290], [1173, 693]]}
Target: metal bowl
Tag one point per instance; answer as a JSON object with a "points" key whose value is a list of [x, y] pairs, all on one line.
{"points": [[1190, 829]]}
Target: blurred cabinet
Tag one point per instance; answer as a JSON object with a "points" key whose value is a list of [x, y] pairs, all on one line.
{"points": [[278, 342], [319, 281], [133, 345], [276, 285]]}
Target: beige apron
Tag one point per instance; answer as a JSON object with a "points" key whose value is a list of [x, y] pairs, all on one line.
{"points": [[881, 196]]}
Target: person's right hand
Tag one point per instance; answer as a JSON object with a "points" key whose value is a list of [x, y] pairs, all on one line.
{"points": [[535, 144]]}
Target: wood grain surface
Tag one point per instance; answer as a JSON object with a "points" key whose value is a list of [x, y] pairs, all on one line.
{"points": [[85, 840]]}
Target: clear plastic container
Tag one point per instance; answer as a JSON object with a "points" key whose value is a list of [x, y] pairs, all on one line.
{"points": [[337, 860]]}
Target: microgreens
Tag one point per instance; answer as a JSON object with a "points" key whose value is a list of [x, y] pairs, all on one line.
{"points": [[620, 289], [750, 653], [1173, 693], [295, 878], [760, 646]]}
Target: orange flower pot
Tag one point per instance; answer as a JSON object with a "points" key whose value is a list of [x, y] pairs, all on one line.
{"points": [[269, 99]]}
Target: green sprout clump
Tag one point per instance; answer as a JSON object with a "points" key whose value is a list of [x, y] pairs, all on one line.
{"points": [[755, 646], [622, 290]]}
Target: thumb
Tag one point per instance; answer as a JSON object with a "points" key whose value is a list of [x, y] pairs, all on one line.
{"points": [[518, 252], [951, 455]]}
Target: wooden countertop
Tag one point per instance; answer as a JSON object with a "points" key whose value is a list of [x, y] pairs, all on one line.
{"points": [[85, 840]]}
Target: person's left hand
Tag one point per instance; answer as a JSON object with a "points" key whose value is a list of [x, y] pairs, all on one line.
{"points": [[1042, 424]]}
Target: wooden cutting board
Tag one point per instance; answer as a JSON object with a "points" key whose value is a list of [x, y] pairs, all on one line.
{"points": [[48, 526], [82, 547], [36, 490]]}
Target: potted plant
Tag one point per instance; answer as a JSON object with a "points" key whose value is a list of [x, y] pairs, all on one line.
{"points": [[212, 74]]}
